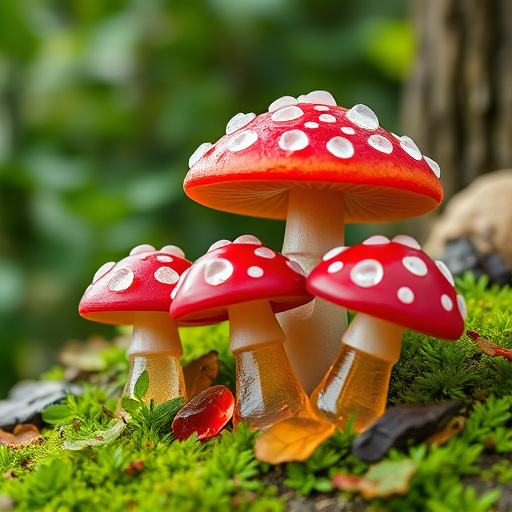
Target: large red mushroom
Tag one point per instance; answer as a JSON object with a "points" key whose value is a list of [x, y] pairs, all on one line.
{"points": [[393, 285], [248, 283], [319, 166], [136, 291]]}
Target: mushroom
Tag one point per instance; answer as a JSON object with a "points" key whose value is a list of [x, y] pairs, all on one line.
{"points": [[319, 166], [392, 285], [136, 291], [249, 283]]}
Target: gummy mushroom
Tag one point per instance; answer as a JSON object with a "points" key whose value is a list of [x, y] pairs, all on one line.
{"points": [[392, 285], [319, 166], [136, 291], [249, 283]]}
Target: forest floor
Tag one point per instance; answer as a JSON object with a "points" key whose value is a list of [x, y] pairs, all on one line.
{"points": [[87, 459]]}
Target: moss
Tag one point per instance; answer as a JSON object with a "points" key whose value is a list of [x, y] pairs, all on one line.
{"points": [[145, 469]]}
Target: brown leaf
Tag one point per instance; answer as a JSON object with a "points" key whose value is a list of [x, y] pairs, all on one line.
{"points": [[293, 439], [84, 356], [490, 348], [23, 434], [382, 480], [200, 373], [454, 427]]}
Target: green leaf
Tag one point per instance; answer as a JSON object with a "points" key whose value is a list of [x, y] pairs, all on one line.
{"points": [[58, 414], [142, 385], [164, 413], [130, 405]]}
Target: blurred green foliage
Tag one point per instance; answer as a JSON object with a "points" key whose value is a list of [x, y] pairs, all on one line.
{"points": [[103, 102]]}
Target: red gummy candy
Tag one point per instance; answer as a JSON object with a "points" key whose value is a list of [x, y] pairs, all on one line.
{"points": [[206, 414]]}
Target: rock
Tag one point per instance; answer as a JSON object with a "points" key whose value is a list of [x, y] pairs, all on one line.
{"points": [[400, 424], [482, 215], [27, 399]]}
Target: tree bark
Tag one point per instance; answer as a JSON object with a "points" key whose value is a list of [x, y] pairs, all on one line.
{"points": [[458, 100]]}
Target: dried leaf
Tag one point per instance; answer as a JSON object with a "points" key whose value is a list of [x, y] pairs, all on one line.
{"points": [[200, 373], [400, 424], [490, 348], [382, 480], [454, 427], [23, 435], [293, 439], [84, 356]]}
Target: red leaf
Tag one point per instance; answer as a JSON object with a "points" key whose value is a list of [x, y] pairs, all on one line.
{"points": [[490, 348]]}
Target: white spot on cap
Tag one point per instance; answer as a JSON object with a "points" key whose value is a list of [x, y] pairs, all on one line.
{"points": [[407, 240], [433, 165], [363, 116], [444, 270], [166, 275], [287, 114], [415, 265], [340, 147], [142, 248], [405, 295], [255, 272], [106, 267], [174, 250], [243, 140], [239, 121], [380, 143], [218, 271], [247, 239], [461, 303], [377, 240], [179, 283], [162, 258], [327, 118], [408, 145], [446, 302], [348, 130], [265, 252], [334, 252], [311, 124], [293, 140], [324, 97], [218, 244], [284, 101], [335, 267], [199, 153], [295, 267], [367, 273], [322, 108], [121, 280]]}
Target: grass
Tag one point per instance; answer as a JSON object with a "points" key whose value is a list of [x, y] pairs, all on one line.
{"points": [[143, 468]]}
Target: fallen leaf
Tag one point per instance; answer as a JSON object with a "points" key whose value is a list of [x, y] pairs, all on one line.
{"points": [[455, 426], [101, 437], [134, 468], [84, 356], [490, 348], [293, 439], [382, 480], [23, 434], [400, 424], [200, 373]]}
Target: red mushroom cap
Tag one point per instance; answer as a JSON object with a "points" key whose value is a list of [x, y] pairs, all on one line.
{"points": [[143, 281], [394, 281], [311, 142], [233, 273]]}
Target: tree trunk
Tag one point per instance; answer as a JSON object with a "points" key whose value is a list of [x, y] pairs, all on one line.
{"points": [[458, 101]]}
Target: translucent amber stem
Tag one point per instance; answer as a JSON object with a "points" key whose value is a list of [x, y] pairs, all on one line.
{"points": [[267, 389], [357, 383], [314, 225], [165, 376], [156, 347]]}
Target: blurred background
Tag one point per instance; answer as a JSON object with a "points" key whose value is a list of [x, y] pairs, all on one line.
{"points": [[102, 103]]}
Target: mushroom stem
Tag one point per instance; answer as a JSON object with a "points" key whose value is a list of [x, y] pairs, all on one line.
{"points": [[267, 390], [315, 224], [156, 347], [357, 383]]}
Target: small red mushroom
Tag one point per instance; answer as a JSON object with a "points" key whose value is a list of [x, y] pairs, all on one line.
{"points": [[136, 291], [392, 285], [319, 166], [249, 283]]}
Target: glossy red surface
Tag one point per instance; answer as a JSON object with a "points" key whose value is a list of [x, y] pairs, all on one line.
{"points": [[206, 414]]}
